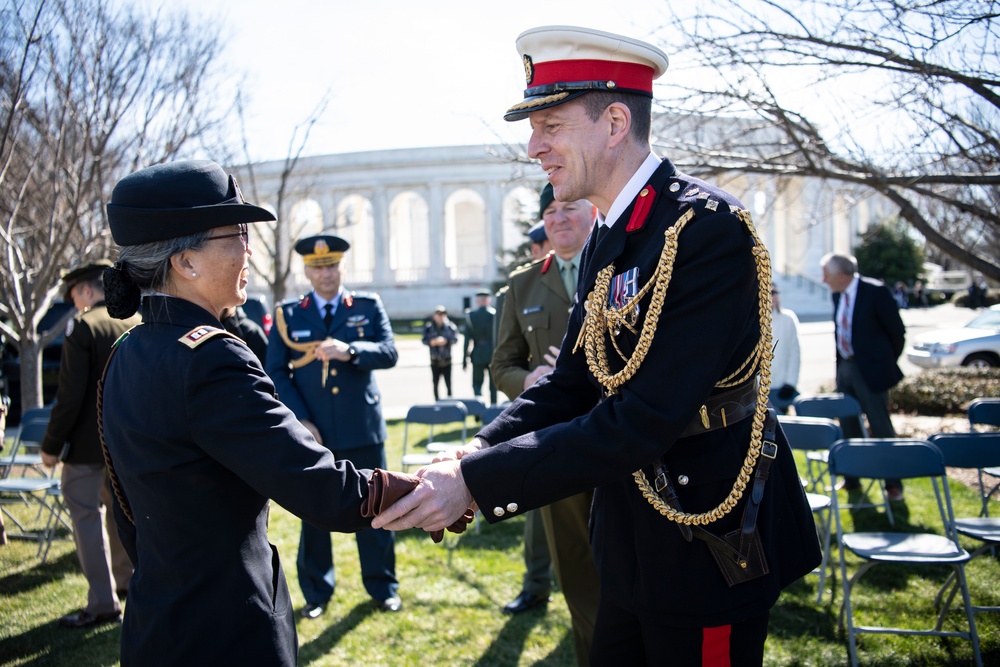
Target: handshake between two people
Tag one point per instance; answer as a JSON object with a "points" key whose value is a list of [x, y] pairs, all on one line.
{"points": [[434, 499]]}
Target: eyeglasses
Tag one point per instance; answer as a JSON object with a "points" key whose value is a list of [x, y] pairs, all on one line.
{"points": [[244, 235]]}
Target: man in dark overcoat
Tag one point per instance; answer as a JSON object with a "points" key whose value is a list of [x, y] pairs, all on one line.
{"points": [[339, 402], [659, 394], [478, 346]]}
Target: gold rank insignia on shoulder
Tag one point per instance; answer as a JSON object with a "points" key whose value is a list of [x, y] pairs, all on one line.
{"points": [[199, 335], [711, 204]]}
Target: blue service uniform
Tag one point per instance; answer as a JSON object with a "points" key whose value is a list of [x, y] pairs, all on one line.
{"points": [[200, 443], [347, 410], [563, 435]]}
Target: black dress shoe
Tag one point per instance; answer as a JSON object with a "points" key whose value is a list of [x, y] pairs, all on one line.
{"points": [[526, 601], [311, 610], [84, 619], [392, 604]]}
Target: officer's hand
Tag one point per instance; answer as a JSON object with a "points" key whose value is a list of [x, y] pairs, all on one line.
{"points": [[551, 356], [49, 460], [534, 375], [437, 502], [333, 350], [473, 445], [313, 430]]}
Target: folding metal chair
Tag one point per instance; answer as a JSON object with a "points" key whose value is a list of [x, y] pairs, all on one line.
{"points": [[431, 415], [22, 489], [29, 435], [473, 406], [815, 434], [986, 412], [838, 406], [905, 459], [971, 450]]}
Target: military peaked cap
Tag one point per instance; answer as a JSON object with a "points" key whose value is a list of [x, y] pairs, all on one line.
{"points": [[562, 63], [323, 250]]}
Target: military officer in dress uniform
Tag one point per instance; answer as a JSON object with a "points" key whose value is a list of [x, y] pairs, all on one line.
{"points": [[659, 394], [479, 344], [73, 428], [321, 352], [197, 440], [540, 297]]}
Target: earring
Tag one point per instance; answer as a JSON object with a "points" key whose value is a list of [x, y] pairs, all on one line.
{"points": [[194, 275]]}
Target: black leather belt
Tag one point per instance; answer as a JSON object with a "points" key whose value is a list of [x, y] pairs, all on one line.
{"points": [[725, 409]]}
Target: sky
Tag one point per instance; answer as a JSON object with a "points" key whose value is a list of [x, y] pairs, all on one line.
{"points": [[399, 73]]}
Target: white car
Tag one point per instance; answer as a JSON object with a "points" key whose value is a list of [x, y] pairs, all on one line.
{"points": [[977, 344]]}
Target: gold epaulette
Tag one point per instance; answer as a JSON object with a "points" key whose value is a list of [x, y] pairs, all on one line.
{"points": [[199, 335]]}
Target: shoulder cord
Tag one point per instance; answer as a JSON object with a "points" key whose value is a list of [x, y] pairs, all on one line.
{"points": [[116, 485], [308, 350], [602, 318]]}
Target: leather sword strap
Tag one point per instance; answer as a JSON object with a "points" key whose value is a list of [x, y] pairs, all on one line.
{"points": [[724, 409]]}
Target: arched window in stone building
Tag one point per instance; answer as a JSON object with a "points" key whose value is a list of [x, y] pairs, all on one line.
{"points": [[520, 211], [466, 244], [409, 238], [356, 223]]}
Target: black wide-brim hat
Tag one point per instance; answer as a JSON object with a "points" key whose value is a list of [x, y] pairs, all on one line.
{"points": [[177, 199], [82, 273]]}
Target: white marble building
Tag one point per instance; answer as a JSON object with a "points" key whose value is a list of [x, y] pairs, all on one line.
{"points": [[429, 226]]}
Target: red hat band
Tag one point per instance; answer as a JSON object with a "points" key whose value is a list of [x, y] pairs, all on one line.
{"points": [[558, 75]]}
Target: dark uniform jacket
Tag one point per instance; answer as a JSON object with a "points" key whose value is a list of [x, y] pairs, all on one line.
{"points": [[200, 443], [479, 335], [249, 332], [561, 436], [877, 334], [347, 410], [535, 315], [86, 346]]}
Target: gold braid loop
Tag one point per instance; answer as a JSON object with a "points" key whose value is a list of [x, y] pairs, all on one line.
{"points": [[601, 318], [308, 350]]}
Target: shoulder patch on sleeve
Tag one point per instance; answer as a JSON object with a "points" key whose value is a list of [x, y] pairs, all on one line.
{"points": [[199, 335]]}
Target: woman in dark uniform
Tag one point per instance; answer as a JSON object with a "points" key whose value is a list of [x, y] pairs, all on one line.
{"points": [[195, 435]]}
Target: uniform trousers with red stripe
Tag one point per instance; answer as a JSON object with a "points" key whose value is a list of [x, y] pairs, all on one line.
{"points": [[623, 638]]}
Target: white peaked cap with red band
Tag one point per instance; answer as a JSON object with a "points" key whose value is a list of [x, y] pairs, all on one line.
{"points": [[563, 62]]}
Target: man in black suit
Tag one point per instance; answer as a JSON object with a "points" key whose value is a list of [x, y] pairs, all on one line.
{"points": [[870, 335], [662, 379]]}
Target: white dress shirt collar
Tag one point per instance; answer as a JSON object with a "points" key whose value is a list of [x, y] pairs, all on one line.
{"points": [[631, 190]]}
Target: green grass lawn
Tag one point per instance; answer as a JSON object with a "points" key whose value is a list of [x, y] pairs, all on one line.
{"points": [[452, 594]]}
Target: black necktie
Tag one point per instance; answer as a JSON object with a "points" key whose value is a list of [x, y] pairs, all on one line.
{"points": [[602, 231], [328, 318]]}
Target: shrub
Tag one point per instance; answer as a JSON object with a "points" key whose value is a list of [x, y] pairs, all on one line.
{"points": [[946, 391]]}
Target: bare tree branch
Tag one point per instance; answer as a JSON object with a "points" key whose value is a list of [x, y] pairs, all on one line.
{"points": [[926, 72], [88, 92]]}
